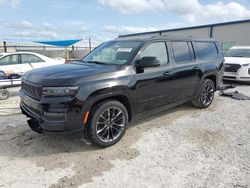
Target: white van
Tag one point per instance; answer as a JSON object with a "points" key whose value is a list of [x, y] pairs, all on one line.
{"points": [[237, 64]]}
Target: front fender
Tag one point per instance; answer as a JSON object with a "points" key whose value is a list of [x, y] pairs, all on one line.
{"points": [[115, 92], [108, 93]]}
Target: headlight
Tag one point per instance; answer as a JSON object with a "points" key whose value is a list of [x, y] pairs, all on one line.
{"points": [[60, 91], [246, 64]]}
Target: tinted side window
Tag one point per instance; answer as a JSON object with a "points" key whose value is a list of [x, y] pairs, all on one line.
{"points": [[206, 50], [9, 60], [181, 52], [156, 49], [27, 58]]}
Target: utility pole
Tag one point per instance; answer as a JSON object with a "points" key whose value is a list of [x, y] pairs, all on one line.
{"points": [[90, 44], [5, 46]]}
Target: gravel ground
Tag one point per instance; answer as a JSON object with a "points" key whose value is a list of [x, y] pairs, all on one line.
{"points": [[11, 106], [180, 147]]}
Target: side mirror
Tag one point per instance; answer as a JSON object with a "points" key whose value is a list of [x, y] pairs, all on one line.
{"points": [[148, 61]]}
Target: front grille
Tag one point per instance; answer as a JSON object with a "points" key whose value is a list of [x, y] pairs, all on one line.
{"points": [[32, 90], [232, 67]]}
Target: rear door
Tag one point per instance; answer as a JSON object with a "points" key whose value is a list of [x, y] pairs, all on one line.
{"points": [[31, 61], [210, 59], [187, 70], [153, 85]]}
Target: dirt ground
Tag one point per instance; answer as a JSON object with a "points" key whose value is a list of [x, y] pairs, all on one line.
{"points": [[180, 147]]}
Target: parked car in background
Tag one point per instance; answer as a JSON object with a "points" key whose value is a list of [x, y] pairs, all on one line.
{"points": [[119, 80], [20, 62], [237, 64]]}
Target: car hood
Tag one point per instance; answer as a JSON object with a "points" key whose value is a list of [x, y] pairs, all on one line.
{"points": [[237, 60], [66, 74]]}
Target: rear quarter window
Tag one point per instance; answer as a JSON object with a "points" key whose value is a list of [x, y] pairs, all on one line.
{"points": [[206, 50]]}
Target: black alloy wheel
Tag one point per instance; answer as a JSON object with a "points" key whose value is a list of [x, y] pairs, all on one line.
{"points": [[110, 124], [206, 95], [107, 124]]}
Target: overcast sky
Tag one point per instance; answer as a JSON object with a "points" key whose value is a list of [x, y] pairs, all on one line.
{"points": [[28, 20]]}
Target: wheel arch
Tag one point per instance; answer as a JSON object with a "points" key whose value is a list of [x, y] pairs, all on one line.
{"points": [[213, 78], [121, 96]]}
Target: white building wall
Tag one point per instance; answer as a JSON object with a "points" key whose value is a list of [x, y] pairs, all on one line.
{"points": [[233, 34], [227, 34]]}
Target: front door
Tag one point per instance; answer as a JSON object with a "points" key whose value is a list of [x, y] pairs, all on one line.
{"points": [[10, 65], [153, 85]]}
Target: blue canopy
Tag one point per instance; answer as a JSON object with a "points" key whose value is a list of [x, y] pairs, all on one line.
{"points": [[63, 43]]}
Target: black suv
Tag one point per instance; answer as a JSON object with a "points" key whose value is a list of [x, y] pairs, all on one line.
{"points": [[118, 80]]}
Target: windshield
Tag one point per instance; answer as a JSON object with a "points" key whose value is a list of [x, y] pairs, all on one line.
{"points": [[114, 52], [238, 53]]}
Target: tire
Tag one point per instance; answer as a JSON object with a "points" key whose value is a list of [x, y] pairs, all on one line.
{"points": [[107, 124], [4, 94], [205, 95]]}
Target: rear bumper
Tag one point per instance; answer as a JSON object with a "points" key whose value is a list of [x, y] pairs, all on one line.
{"points": [[53, 115]]}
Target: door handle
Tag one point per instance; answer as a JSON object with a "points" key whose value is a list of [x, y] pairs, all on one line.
{"points": [[167, 74], [196, 68]]}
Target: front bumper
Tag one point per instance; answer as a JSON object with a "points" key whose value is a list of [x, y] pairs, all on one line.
{"points": [[243, 74], [54, 114]]}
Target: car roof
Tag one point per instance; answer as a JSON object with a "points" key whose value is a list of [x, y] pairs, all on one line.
{"points": [[11, 53], [162, 37], [241, 47], [32, 53]]}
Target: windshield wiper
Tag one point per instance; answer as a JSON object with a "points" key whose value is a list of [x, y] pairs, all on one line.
{"points": [[237, 56], [96, 62]]}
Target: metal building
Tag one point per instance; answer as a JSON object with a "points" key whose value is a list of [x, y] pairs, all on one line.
{"points": [[227, 33]]}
